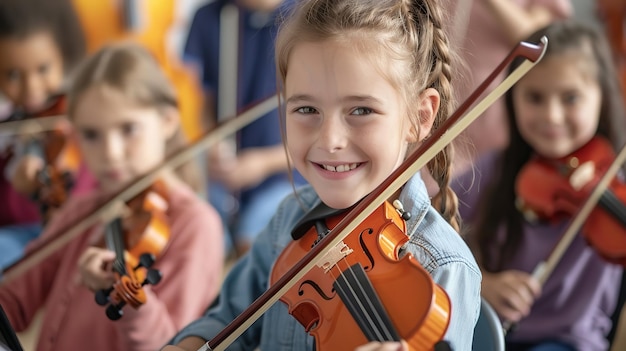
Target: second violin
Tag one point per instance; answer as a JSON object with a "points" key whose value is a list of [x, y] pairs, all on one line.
{"points": [[137, 241], [555, 189]]}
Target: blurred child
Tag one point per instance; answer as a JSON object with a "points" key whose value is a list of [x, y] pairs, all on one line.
{"points": [[124, 112], [40, 41], [248, 178], [568, 98]]}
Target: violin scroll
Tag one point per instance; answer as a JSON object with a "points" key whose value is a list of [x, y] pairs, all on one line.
{"points": [[128, 290], [137, 242]]}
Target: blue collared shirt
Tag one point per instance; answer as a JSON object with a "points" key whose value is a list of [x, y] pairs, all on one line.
{"points": [[435, 244]]}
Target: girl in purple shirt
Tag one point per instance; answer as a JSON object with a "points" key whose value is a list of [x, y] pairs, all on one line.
{"points": [[570, 97]]}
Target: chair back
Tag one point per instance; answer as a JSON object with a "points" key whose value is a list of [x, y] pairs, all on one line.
{"points": [[488, 333]]}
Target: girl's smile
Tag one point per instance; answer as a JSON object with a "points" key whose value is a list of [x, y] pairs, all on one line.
{"points": [[338, 170]]}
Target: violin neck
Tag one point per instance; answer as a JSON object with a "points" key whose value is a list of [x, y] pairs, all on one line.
{"points": [[114, 238]]}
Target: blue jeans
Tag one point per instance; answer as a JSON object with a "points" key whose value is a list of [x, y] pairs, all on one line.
{"points": [[13, 240], [543, 346], [244, 220]]}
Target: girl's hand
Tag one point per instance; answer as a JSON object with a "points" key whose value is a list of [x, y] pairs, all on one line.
{"points": [[94, 267], [511, 293], [24, 178], [385, 346]]}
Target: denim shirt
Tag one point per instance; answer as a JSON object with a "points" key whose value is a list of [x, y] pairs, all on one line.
{"points": [[434, 243]]}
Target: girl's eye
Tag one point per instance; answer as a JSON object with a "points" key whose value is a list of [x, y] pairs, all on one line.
{"points": [[43, 69], [570, 99], [129, 129], [12, 75], [534, 98], [89, 134], [361, 111], [306, 110]]}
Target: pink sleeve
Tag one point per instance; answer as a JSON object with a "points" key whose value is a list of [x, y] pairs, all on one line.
{"points": [[561, 9], [192, 268], [22, 297]]}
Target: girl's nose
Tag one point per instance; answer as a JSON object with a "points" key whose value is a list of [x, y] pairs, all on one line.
{"points": [[33, 93], [113, 148], [554, 112], [332, 135]]}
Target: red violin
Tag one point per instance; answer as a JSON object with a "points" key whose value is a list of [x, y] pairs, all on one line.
{"points": [[60, 155], [354, 292], [554, 189], [137, 240]]}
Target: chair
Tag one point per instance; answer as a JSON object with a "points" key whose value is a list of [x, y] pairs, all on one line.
{"points": [[488, 333]]}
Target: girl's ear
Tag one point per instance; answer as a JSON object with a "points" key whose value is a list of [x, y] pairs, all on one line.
{"points": [[171, 122], [427, 108]]}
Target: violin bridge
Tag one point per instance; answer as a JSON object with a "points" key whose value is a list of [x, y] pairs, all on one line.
{"points": [[333, 256]]}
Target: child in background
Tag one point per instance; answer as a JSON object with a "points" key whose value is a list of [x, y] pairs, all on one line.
{"points": [[567, 99], [364, 82], [247, 177], [124, 112], [40, 42], [486, 31]]}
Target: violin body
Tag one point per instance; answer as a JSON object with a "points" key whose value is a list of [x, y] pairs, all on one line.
{"points": [[59, 152], [418, 308], [61, 164], [554, 190]]}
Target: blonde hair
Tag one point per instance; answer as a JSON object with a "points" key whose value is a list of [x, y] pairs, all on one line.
{"points": [[410, 47], [134, 72]]}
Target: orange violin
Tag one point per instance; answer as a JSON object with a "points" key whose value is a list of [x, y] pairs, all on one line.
{"points": [[60, 155], [368, 235], [357, 285], [556, 189], [137, 241]]}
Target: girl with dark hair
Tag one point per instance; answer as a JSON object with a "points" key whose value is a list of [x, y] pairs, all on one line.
{"points": [[40, 43], [569, 99]]}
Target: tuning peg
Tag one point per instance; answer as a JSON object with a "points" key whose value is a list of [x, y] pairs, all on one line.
{"points": [[400, 208], [102, 296], [153, 277], [68, 180], [114, 312], [146, 260]]}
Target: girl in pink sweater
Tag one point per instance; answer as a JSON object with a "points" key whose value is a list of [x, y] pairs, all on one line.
{"points": [[124, 113]]}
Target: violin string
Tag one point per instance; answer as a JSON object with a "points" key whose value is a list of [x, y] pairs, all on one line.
{"points": [[114, 237], [359, 298], [611, 203], [371, 304], [368, 329]]}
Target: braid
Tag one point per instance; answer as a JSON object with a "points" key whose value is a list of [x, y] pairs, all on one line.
{"points": [[440, 167]]}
